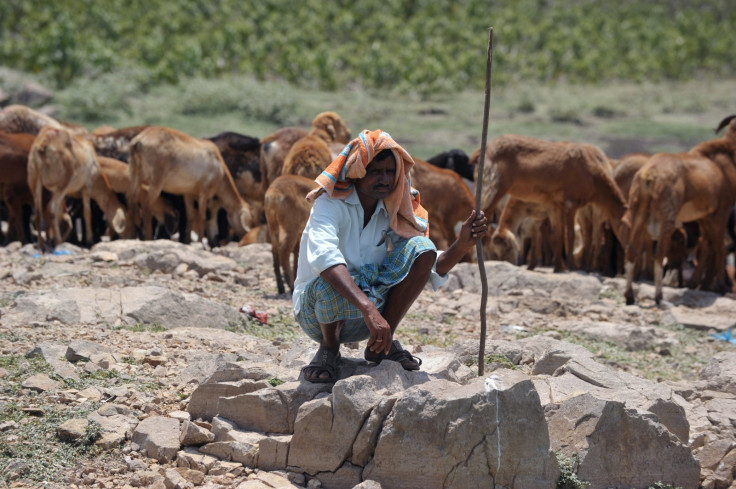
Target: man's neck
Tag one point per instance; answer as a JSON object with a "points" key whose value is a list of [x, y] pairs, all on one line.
{"points": [[369, 207]]}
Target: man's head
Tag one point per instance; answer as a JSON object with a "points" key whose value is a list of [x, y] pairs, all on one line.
{"points": [[380, 177]]}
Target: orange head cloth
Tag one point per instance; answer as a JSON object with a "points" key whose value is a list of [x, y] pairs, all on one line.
{"points": [[408, 217]]}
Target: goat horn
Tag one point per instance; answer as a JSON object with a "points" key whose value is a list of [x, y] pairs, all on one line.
{"points": [[725, 122]]}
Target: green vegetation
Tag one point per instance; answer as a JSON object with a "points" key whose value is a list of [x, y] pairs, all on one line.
{"points": [[37, 457], [441, 338], [677, 362], [281, 326], [500, 359], [568, 472], [142, 327], [627, 76], [569, 478], [28, 448], [19, 368], [653, 117], [7, 300], [495, 360], [411, 45]]}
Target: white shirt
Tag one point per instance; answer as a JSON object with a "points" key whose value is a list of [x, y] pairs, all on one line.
{"points": [[335, 235]]}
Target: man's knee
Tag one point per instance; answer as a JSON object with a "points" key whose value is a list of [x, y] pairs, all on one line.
{"points": [[428, 257], [424, 262]]}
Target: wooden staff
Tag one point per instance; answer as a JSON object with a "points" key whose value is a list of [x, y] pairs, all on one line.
{"points": [[478, 192]]}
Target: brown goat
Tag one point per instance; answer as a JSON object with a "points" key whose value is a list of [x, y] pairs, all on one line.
{"points": [[446, 198], [328, 126], [115, 143], [308, 157], [274, 149], [520, 220], [673, 188], [19, 118], [171, 161], [562, 175], [287, 212], [14, 150], [66, 164], [118, 175], [242, 155], [257, 234], [623, 172]]}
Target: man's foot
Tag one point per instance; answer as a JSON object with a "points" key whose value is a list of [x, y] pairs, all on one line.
{"points": [[397, 354], [323, 367]]}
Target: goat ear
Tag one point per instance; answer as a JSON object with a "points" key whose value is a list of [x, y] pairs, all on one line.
{"points": [[725, 122], [331, 131]]}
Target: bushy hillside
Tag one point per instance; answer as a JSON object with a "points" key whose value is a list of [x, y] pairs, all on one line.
{"points": [[418, 45]]}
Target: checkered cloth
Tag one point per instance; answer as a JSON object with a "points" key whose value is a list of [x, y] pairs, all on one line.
{"points": [[323, 304]]}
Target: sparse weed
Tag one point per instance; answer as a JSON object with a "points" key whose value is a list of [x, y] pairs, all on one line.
{"points": [[7, 300], [568, 472], [34, 454], [500, 359], [611, 293], [491, 359], [281, 326], [141, 327]]}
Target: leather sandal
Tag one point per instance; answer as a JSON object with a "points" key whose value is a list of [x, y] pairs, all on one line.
{"points": [[325, 361], [397, 354]]}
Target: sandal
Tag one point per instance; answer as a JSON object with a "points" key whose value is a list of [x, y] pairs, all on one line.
{"points": [[397, 354], [324, 362]]}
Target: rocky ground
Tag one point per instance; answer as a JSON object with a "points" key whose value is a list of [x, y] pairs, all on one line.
{"points": [[179, 302]]}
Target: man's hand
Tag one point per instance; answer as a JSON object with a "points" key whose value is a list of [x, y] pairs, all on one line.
{"points": [[474, 227], [381, 336]]}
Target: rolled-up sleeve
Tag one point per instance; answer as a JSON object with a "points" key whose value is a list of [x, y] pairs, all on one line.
{"points": [[435, 278]]}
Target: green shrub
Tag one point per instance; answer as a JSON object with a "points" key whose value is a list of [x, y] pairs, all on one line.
{"points": [[407, 45], [568, 472]]}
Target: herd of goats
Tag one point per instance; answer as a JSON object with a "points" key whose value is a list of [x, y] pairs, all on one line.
{"points": [[559, 204]]}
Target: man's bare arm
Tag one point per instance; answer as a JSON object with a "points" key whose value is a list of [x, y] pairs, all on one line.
{"points": [[473, 228]]}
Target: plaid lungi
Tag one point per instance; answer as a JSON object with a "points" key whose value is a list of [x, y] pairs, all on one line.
{"points": [[321, 303]]}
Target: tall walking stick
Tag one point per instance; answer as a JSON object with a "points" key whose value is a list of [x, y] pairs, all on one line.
{"points": [[478, 192]]}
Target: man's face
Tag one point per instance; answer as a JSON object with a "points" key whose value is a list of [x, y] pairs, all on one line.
{"points": [[379, 179]]}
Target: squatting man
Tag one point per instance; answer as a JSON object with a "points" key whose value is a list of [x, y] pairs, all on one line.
{"points": [[365, 255]]}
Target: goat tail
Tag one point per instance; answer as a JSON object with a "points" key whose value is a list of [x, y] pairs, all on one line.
{"points": [[640, 202]]}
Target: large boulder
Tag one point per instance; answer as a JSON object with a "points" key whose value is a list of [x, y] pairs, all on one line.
{"points": [[720, 373], [645, 451], [460, 436], [477, 435]]}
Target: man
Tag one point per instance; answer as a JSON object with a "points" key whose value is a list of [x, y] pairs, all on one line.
{"points": [[364, 256]]}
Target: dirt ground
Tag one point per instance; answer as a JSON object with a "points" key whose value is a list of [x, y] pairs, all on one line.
{"points": [[29, 419]]}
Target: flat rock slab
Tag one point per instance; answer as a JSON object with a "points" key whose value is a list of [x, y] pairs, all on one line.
{"points": [[631, 337], [720, 315], [128, 305]]}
